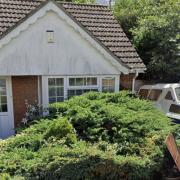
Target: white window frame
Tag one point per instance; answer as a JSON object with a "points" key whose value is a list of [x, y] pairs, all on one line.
{"points": [[45, 93], [84, 86], [117, 81], [56, 86], [45, 89], [108, 86], [7, 103]]}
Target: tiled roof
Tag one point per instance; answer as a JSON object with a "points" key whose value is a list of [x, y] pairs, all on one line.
{"points": [[97, 20]]}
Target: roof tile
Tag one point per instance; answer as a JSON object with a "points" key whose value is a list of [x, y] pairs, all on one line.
{"points": [[98, 20]]}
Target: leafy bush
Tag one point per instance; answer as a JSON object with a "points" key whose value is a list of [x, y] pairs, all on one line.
{"points": [[116, 118], [5, 176], [61, 128], [94, 136]]}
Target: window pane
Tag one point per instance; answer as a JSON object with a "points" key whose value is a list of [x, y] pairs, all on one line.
{"points": [[2, 91], [94, 90], [59, 82], [108, 89], [4, 107], [60, 91], [2, 83], [52, 99], [72, 81], [71, 93], [154, 94], [91, 81], [108, 85], [80, 82], [112, 82], [143, 93], [79, 92], [87, 90], [174, 109], [60, 99], [56, 89], [52, 81], [169, 96], [52, 91], [3, 99], [3, 96], [105, 82], [111, 89], [105, 89]]}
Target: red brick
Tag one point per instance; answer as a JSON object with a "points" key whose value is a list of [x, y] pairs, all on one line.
{"points": [[126, 81]]}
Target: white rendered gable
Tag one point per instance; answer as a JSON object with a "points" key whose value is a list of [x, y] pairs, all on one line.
{"points": [[25, 50]]}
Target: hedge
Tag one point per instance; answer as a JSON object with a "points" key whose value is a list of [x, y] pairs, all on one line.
{"points": [[93, 136]]}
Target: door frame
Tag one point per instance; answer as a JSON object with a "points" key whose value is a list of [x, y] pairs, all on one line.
{"points": [[9, 99]]}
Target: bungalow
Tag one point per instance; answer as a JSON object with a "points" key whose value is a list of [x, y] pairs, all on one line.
{"points": [[51, 51]]}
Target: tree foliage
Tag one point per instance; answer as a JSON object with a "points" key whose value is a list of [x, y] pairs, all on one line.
{"points": [[154, 26]]}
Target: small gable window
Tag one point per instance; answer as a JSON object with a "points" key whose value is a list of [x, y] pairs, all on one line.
{"points": [[50, 36]]}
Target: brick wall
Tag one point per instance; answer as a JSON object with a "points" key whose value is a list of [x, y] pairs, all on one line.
{"points": [[126, 81], [24, 88]]}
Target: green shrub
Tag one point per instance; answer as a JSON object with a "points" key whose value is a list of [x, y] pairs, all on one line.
{"points": [[5, 176], [61, 128], [116, 118], [93, 136]]}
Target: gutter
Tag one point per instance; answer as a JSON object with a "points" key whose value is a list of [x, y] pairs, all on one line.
{"points": [[134, 80]]}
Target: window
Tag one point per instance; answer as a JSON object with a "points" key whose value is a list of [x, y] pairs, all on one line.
{"points": [[108, 84], [56, 89], [80, 85], [177, 90], [50, 36], [78, 92], [174, 109], [169, 96], [88, 81], [3, 96], [143, 93], [154, 94]]}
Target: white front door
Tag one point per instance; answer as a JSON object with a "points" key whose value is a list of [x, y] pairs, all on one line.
{"points": [[6, 108]]}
